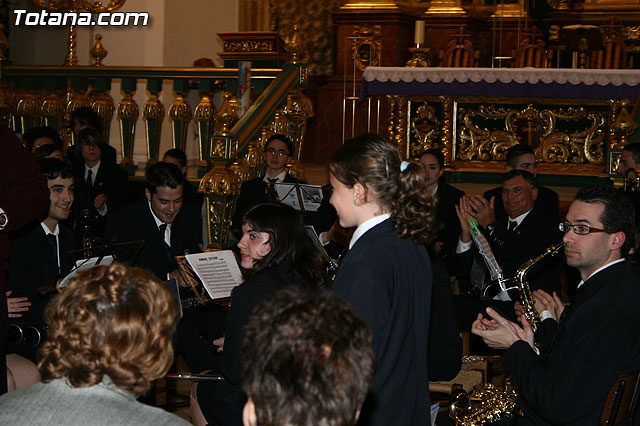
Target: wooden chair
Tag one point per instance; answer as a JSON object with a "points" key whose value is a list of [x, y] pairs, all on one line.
{"points": [[614, 54], [532, 54], [459, 52], [622, 401]]}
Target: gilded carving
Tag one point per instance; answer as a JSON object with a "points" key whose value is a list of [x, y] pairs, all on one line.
{"points": [[128, 113], [220, 186], [227, 115], [580, 139], [204, 116], [425, 127], [365, 46], [249, 46], [153, 115]]}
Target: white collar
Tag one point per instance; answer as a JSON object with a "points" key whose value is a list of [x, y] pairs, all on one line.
{"points": [[605, 266], [158, 221], [279, 178], [366, 225], [93, 169], [435, 190], [520, 218], [55, 232]]}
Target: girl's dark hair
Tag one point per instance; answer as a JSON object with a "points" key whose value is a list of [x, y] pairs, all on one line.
{"points": [[289, 243], [371, 160]]}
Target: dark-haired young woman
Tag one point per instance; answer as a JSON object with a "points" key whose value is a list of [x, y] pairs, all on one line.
{"points": [[275, 253], [387, 275]]}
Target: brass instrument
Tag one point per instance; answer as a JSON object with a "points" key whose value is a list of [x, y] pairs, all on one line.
{"points": [[31, 335], [495, 403], [631, 179], [526, 298]]}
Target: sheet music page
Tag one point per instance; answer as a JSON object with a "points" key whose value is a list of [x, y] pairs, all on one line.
{"points": [[311, 197], [288, 195], [218, 271], [84, 264]]}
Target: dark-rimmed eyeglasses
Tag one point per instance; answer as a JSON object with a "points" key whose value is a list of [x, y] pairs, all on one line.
{"points": [[582, 229], [280, 152]]}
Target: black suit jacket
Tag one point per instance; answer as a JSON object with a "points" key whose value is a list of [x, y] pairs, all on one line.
{"points": [[596, 341], [111, 180], [547, 201], [33, 265], [252, 193], [388, 281], [512, 249], [447, 221], [135, 222]]}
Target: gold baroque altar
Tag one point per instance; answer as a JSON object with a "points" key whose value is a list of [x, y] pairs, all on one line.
{"points": [[573, 119]]}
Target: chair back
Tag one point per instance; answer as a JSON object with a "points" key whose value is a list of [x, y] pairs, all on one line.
{"points": [[622, 401], [532, 52], [614, 54], [459, 52]]}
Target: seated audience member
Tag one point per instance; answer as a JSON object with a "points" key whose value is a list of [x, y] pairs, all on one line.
{"points": [[47, 151], [40, 253], [311, 350], [275, 252], [81, 119], [36, 137], [100, 185], [629, 157], [522, 157], [447, 197], [110, 336], [523, 234], [596, 338], [190, 192], [278, 151]]}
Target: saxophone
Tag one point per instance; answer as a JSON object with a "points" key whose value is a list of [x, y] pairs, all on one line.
{"points": [[495, 403]]}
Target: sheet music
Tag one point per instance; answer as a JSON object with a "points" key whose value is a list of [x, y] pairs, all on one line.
{"points": [[84, 264], [218, 271], [300, 196]]}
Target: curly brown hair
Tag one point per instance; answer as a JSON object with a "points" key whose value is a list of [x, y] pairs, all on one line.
{"points": [[110, 320], [373, 161]]}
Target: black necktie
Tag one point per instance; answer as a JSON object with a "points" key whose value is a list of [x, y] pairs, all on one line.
{"points": [[512, 225], [89, 181], [53, 243], [272, 194], [167, 247]]}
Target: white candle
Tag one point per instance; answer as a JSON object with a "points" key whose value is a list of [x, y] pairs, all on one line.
{"points": [[418, 35]]}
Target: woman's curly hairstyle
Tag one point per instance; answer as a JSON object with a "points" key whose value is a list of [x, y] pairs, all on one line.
{"points": [[110, 320], [373, 161]]}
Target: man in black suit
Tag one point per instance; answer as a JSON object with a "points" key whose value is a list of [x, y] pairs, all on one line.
{"points": [[598, 335], [278, 151], [100, 187], [40, 253], [83, 118], [522, 157], [168, 227], [447, 197], [524, 234], [179, 158]]}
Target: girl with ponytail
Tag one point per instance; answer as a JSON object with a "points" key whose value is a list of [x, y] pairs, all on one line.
{"points": [[386, 275]]}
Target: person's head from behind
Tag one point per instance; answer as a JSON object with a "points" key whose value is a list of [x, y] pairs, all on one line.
{"points": [[178, 157], [164, 190], [85, 117], [522, 157], [90, 142], [629, 157], [278, 151], [599, 228], [519, 192], [433, 162], [36, 137], [307, 361], [271, 234], [114, 321], [367, 180], [47, 151], [60, 181]]}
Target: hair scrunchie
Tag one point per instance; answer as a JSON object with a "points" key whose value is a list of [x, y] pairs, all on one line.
{"points": [[404, 165]]}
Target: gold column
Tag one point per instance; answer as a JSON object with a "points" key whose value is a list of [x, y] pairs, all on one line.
{"points": [[153, 115], [104, 106], [75, 99], [52, 110], [28, 109], [204, 117], [220, 186], [180, 116], [127, 113]]}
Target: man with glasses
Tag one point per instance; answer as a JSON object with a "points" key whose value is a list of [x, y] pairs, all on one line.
{"points": [[598, 335], [278, 151], [525, 232]]}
